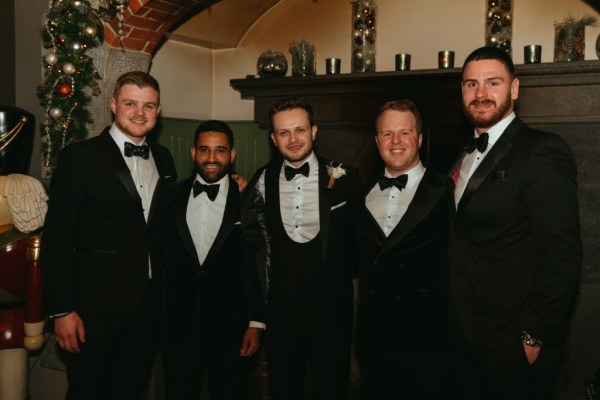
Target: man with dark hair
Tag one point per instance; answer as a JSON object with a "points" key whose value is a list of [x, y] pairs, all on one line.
{"points": [[102, 248], [297, 217], [515, 252], [402, 224], [213, 303]]}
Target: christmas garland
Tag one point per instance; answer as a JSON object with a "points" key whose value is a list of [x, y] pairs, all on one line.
{"points": [[71, 29]]}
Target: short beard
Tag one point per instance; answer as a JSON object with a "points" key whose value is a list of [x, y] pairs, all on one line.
{"points": [[498, 114], [213, 178]]}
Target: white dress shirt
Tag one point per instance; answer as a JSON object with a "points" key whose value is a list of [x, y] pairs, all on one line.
{"points": [[470, 162], [299, 201], [388, 206], [204, 217]]}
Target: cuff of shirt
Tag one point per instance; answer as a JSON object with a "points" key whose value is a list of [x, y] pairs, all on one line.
{"points": [[256, 324]]}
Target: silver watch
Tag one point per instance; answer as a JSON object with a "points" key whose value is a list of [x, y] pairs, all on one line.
{"points": [[530, 340]]}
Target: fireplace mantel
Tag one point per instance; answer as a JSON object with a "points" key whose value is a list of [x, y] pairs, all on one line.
{"points": [[345, 105]]}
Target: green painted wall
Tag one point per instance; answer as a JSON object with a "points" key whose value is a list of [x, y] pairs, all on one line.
{"points": [[250, 141]]}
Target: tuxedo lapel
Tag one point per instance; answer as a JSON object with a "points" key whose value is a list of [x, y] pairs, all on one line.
{"points": [[426, 197], [163, 184], [115, 160], [181, 204], [325, 200], [230, 217], [368, 224], [487, 166]]}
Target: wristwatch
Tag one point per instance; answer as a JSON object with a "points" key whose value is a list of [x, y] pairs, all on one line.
{"points": [[530, 340]]}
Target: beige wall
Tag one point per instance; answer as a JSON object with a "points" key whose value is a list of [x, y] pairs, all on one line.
{"points": [[418, 27]]}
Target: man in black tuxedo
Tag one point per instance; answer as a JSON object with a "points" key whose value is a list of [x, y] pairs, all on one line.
{"points": [[402, 224], [297, 217], [102, 248], [213, 302], [515, 247]]}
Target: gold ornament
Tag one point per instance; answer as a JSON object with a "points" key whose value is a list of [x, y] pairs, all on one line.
{"points": [[68, 68]]}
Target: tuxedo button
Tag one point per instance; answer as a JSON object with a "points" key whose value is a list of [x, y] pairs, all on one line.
{"points": [[398, 297], [371, 291], [400, 267], [375, 263]]}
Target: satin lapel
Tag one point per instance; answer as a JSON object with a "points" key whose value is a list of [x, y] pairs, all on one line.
{"points": [[163, 183], [231, 215], [181, 203], [370, 229], [325, 199], [114, 160], [501, 147], [428, 193]]}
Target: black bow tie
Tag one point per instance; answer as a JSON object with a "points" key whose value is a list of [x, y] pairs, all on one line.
{"points": [[211, 190], [399, 182], [290, 172], [480, 143], [138, 151]]}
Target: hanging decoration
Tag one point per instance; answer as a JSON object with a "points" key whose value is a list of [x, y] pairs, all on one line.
{"points": [[498, 24], [70, 30]]}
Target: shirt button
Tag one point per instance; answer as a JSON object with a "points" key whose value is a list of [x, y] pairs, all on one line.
{"points": [[298, 187]]}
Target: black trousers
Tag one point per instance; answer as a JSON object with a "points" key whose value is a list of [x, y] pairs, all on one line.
{"points": [[187, 361], [310, 337], [507, 375], [390, 374], [117, 357]]}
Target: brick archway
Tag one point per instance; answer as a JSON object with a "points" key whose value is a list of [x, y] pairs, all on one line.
{"points": [[147, 21]]}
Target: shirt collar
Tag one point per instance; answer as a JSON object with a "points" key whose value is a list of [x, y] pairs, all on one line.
{"points": [[223, 182], [120, 138], [312, 161], [414, 175], [497, 130]]}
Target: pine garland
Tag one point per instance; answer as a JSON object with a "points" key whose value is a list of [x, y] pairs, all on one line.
{"points": [[71, 29]]}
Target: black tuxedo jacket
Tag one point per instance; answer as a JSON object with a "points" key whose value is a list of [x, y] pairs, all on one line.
{"points": [[96, 242], [515, 246], [403, 278], [222, 295], [338, 247]]}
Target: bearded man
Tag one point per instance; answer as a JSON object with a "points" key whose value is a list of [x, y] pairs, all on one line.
{"points": [[515, 247], [213, 303]]}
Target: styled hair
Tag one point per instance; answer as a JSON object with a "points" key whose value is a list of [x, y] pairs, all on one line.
{"points": [[492, 53], [290, 103], [401, 105], [214, 125], [137, 78]]}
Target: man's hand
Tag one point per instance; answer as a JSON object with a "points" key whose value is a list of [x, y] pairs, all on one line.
{"points": [[532, 353], [69, 332], [250, 342], [241, 181]]}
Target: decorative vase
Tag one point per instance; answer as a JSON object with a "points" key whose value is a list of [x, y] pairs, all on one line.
{"points": [[271, 63], [569, 43], [498, 24], [303, 58], [364, 33], [569, 38]]}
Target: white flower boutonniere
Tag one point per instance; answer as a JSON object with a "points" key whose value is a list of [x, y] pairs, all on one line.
{"points": [[334, 173]]}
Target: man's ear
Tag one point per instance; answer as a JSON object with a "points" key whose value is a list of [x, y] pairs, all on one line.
{"points": [[232, 155], [273, 139]]}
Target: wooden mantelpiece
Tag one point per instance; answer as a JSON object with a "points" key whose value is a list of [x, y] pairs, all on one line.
{"points": [[345, 105], [557, 97]]}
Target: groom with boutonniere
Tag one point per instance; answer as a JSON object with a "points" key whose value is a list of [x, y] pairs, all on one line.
{"points": [[297, 219]]}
